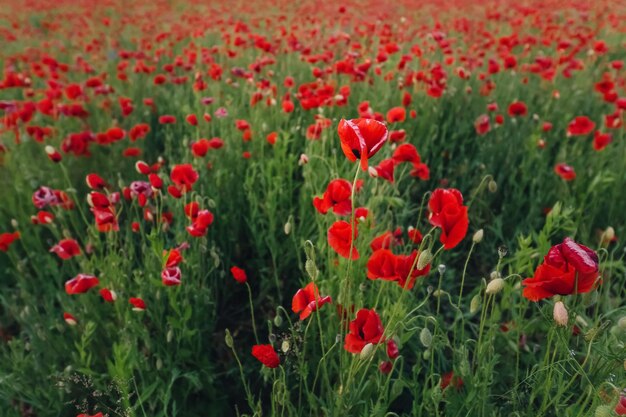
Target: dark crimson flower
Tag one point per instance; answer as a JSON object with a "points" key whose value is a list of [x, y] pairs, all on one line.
{"points": [[167, 119], [392, 349], [565, 171], [361, 138], [81, 283], [449, 379], [620, 407], [184, 177], [581, 125], [66, 249], [307, 300], [340, 237], [137, 303], [6, 239], [239, 274], [568, 268], [385, 367], [448, 212], [337, 196], [518, 108], [192, 119], [171, 276], [266, 355], [366, 328]]}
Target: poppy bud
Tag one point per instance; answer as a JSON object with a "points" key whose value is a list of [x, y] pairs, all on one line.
{"points": [[303, 160], [424, 259], [367, 352], [311, 269], [492, 186], [14, 223], [372, 172], [495, 286], [478, 236], [285, 346], [475, 304], [287, 227], [426, 337], [560, 314], [622, 323], [441, 269], [228, 339], [607, 236], [604, 411], [278, 320], [159, 364], [53, 154]]}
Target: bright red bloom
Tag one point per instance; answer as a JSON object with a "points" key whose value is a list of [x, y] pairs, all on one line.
{"points": [[361, 138], [266, 355], [482, 124], [620, 407], [174, 258], [383, 264], [66, 249], [239, 274], [386, 169], [201, 223], [308, 300], [406, 153], [568, 268], [6, 239], [565, 171], [81, 283], [449, 379], [581, 125], [392, 349], [396, 114], [138, 304], [366, 328], [601, 140], [337, 196], [184, 177], [448, 212], [167, 119], [340, 239], [108, 295], [95, 182]]}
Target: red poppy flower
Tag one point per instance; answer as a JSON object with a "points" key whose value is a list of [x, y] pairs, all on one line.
{"points": [[171, 276], [200, 147], [66, 249], [387, 240], [386, 169], [337, 196], [361, 138], [518, 108], [392, 349], [601, 140], [174, 258], [482, 124], [184, 177], [108, 295], [565, 171], [137, 303], [449, 379], [581, 125], [239, 274], [448, 212], [308, 300], [81, 283], [340, 239], [568, 268], [366, 328], [266, 355], [6, 239], [70, 319], [167, 119], [406, 153], [383, 264], [396, 114], [201, 223]]}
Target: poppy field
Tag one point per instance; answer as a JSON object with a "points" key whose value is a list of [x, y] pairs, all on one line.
{"points": [[279, 208]]}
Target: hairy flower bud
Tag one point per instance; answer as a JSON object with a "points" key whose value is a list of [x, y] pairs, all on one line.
{"points": [[424, 259], [495, 286], [478, 236], [426, 337], [560, 314]]}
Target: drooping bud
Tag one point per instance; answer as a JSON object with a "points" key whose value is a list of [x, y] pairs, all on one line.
{"points": [[426, 337], [492, 186], [228, 338], [424, 259], [495, 286], [367, 352], [475, 304]]}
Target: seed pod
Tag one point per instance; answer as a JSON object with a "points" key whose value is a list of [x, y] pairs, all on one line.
{"points": [[495, 286], [426, 337]]}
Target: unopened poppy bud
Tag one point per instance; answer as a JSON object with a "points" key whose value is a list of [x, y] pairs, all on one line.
{"points": [[303, 160], [228, 339], [478, 236], [311, 269], [607, 236], [426, 337], [475, 304], [278, 320], [502, 251], [622, 323], [367, 352], [424, 259], [442, 269], [285, 346], [14, 223], [272, 338], [492, 186], [560, 314], [287, 227], [604, 411], [581, 321], [372, 172], [495, 286], [159, 364], [495, 274], [426, 355], [439, 293]]}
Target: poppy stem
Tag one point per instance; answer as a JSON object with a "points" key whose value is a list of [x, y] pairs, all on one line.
{"points": [[256, 337]]}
